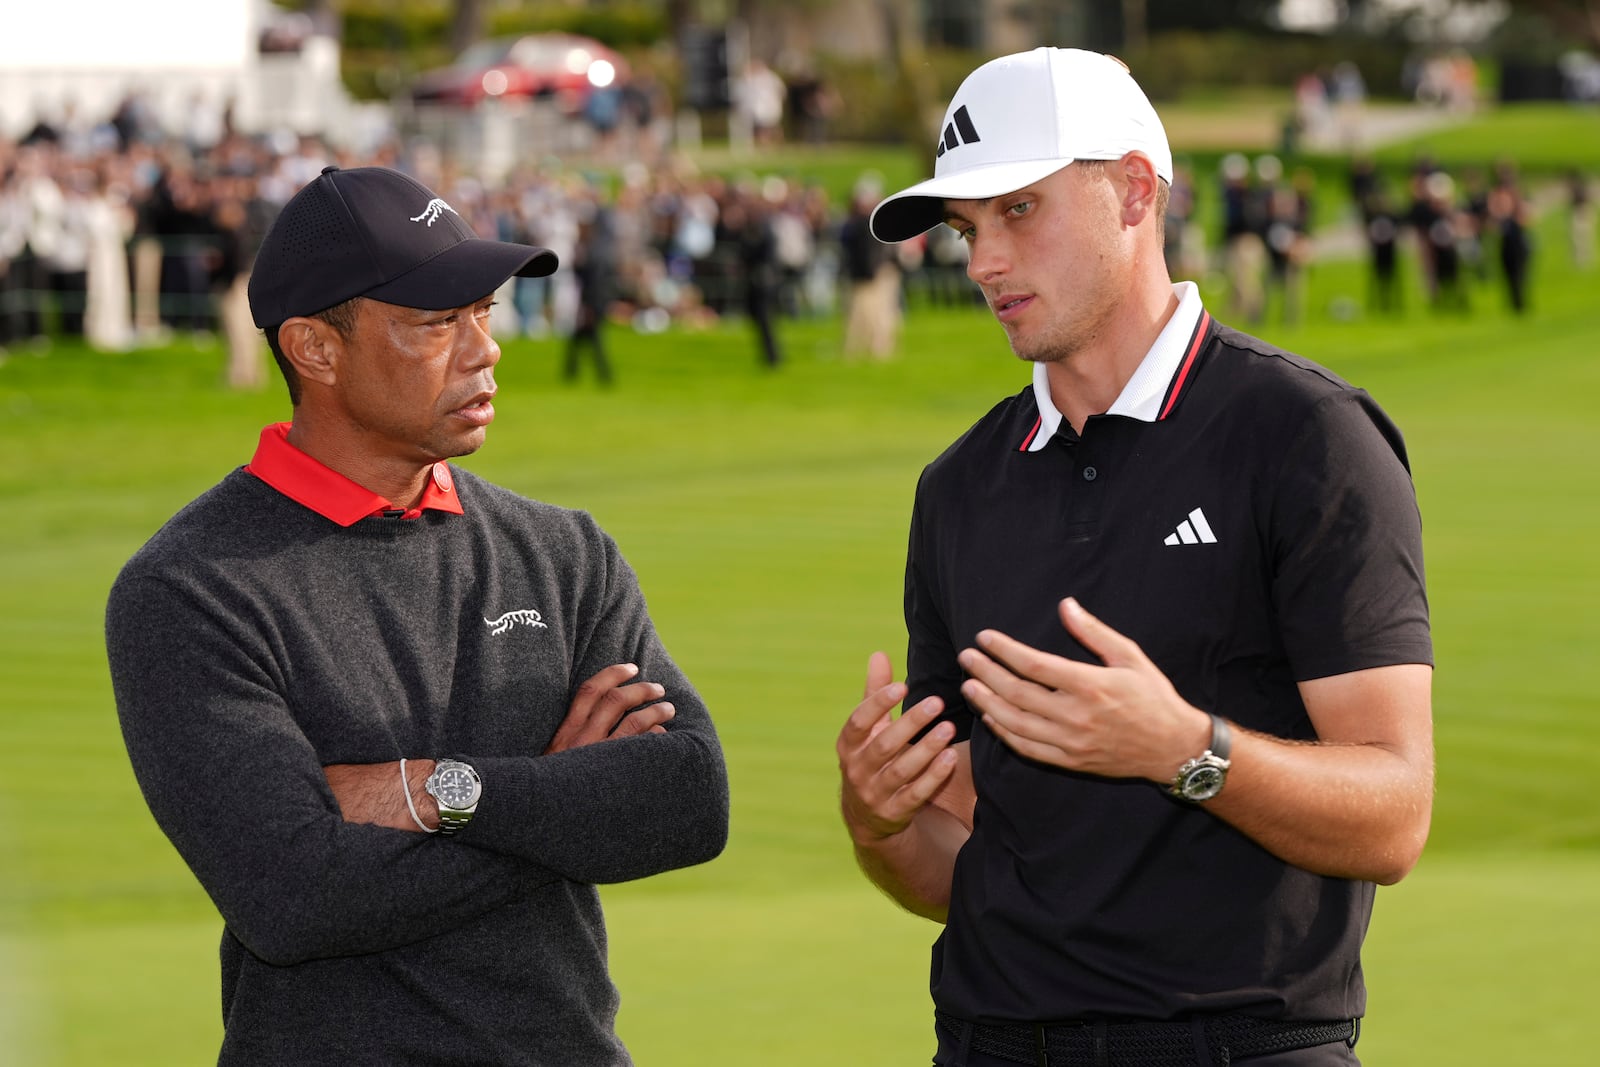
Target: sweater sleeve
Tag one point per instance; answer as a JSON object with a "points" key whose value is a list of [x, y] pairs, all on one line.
{"points": [[620, 809], [237, 787]]}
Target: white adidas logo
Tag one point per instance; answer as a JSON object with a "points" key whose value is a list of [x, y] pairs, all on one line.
{"points": [[1194, 530]]}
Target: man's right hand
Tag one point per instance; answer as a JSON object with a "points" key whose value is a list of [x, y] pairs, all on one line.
{"points": [[599, 710], [887, 779]]}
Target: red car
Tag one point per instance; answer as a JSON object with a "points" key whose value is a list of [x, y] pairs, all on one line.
{"points": [[562, 66]]}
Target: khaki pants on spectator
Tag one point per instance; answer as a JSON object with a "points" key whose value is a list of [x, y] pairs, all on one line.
{"points": [[872, 324], [147, 287], [246, 368]]}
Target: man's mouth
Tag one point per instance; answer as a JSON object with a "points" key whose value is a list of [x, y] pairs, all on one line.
{"points": [[479, 410], [1009, 306]]}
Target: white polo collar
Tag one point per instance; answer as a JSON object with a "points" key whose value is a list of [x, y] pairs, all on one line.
{"points": [[1141, 397]]}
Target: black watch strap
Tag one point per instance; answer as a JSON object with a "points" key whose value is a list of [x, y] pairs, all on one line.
{"points": [[1221, 737]]}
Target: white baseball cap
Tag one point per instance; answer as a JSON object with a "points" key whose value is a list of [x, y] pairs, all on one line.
{"points": [[1021, 118]]}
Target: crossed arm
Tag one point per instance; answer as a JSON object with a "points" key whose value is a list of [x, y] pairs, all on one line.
{"points": [[1356, 803], [371, 792], [303, 864]]}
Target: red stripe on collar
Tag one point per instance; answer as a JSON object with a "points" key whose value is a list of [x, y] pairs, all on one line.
{"points": [[1037, 422], [1182, 376]]}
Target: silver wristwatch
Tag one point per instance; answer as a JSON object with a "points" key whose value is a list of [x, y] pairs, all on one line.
{"points": [[456, 788], [1203, 777]]}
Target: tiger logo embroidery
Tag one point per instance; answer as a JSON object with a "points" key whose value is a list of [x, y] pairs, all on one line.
{"points": [[435, 209], [525, 616]]}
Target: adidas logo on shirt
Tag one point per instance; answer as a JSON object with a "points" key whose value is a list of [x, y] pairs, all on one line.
{"points": [[958, 131], [1194, 530]]}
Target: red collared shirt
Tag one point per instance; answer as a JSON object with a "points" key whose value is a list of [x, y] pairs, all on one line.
{"points": [[329, 493]]}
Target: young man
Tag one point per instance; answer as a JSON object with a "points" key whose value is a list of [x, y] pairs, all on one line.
{"points": [[397, 720], [1167, 706]]}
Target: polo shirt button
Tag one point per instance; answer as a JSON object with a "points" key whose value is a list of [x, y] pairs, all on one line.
{"points": [[1090, 474]]}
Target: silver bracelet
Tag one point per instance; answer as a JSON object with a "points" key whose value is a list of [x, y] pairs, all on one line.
{"points": [[411, 805]]}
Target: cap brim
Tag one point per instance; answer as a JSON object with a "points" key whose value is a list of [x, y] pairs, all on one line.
{"points": [[921, 207], [464, 273]]}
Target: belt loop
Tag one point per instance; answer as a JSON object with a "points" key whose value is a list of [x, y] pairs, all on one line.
{"points": [[1043, 1059], [964, 1050], [1102, 1056], [1355, 1031], [1202, 1044]]}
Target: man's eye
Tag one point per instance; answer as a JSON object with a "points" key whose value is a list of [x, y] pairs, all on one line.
{"points": [[1020, 208]]}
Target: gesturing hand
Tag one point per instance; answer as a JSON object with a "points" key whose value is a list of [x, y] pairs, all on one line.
{"points": [[599, 710], [1120, 720], [886, 778]]}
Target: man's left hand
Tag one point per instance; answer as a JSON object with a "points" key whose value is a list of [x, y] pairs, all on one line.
{"points": [[1122, 719]]}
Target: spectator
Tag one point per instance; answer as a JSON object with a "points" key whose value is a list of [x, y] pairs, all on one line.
{"points": [[67, 259], [759, 98], [108, 223], [242, 219], [813, 103], [595, 267], [746, 220], [1580, 219], [1243, 248], [1288, 240], [14, 296], [1510, 219], [1348, 94], [1311, 115], [1442, 240], [793, 241], [1382, 232], [872, 316]]}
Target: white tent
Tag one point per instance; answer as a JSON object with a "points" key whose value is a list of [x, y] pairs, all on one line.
{"points": [[187, 59]]}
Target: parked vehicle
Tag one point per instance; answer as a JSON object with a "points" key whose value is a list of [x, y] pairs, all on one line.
{"points": [[562, 66]]}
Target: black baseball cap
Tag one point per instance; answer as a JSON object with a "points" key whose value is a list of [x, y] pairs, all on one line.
{"points": [[372, 231]]}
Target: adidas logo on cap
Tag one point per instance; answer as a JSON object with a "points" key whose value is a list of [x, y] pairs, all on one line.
{"points": [[958, 131]]}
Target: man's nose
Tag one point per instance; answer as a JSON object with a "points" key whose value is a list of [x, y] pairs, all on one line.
{"points": [[988, 258], [481, 346]]}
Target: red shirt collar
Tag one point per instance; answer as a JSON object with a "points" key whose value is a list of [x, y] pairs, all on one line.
{"points": [[329, 493]]}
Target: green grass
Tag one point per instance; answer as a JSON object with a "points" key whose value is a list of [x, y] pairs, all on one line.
{"points": [[1540, 138], [766, 514]]}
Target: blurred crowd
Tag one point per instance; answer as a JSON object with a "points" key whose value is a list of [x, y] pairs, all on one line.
{"points": [[1458, 232], [1467, 230], [123, 233]]}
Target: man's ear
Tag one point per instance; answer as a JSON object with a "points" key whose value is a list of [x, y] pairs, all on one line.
{"points": [[1140, 185], [314, 348]]}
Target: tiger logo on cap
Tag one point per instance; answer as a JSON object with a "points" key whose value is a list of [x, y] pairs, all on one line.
{"points": [[430, 214]]}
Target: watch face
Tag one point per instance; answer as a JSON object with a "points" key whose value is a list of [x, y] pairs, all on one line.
{"points": [[456, 787], [1204, 782]]}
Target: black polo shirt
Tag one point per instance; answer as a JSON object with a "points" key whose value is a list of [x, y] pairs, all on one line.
{"points": [[1249, 519]]}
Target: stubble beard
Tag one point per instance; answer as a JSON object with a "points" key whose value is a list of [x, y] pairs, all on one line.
{"points": [[1058, 343], [1061, 340]]}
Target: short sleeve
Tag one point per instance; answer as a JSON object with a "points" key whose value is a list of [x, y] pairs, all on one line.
{"points": [[1346, 543], [931, 666]]}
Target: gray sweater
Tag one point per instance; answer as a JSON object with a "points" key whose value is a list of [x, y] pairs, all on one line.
{"points": [[252, 641]]}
